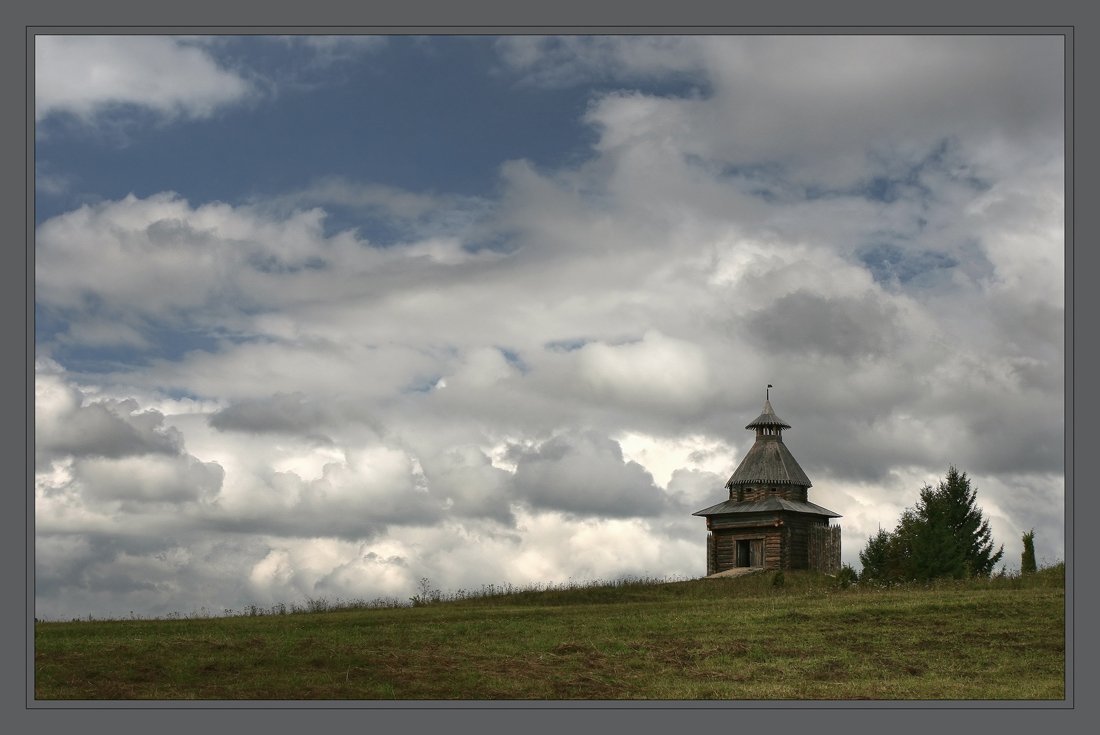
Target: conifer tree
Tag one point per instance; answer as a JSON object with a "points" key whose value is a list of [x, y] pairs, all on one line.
{"points": [[882, 559], [944, 535]]}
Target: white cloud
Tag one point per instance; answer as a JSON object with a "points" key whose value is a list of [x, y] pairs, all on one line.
{"points": [[87, 75], [822, 108], [365, 196], [566, 60], [663, 456], [655, 370], [332, 48]]}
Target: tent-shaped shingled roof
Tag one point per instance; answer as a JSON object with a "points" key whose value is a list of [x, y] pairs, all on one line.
{"points": [[768, 419], [769, 462]]}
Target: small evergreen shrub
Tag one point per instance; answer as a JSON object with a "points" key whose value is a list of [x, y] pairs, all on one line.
{"points": [[1027, 560], [846, 577]]}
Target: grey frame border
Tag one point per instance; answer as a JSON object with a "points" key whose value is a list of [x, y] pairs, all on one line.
{"points": [[172, 25]]}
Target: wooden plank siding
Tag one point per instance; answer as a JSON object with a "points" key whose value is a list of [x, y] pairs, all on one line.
{"points": [[790, 541], [712, 566], [725, 551], [799, 547], [753, 493], [774, 558], [722, 547], [824, 552], [743, 520]]}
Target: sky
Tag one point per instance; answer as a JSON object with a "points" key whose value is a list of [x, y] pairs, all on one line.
{"points": [[324, 316]]}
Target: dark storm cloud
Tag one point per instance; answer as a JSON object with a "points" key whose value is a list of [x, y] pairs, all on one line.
{"points": [[309, 522], [105, 428], [1026, 496], [584, 473], [112, 574], [846, 327], [852, 449], [1030, 326], [142, 480], [1024, 435], [110, 429], [466, 480], [290, 413]]}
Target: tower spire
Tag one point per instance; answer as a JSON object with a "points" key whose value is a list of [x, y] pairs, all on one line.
{"points": [[767, 423]]}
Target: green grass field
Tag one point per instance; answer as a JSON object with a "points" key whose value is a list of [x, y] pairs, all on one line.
{"points": [[738, 638]]}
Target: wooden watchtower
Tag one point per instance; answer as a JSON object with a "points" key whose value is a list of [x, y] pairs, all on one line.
{"points": [[768, 522]]}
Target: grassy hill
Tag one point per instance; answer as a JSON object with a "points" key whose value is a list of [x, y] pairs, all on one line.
{"points": [[800, 636]]}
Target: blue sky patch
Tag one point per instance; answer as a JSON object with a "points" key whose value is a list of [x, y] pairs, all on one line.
{"points": [[889, 263], [566, 345]]}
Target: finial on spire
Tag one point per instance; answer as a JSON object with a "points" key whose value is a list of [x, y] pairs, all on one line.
{"points": [[767, 392]]}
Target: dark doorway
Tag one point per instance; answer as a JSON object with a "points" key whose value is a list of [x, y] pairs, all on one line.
{"points": [[742, 554]]}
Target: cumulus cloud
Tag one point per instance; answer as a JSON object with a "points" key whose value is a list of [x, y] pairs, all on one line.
{"points": [[187, 258], [87, 75], [776, 98], [104, 464], [584, 474], [67, 422]]}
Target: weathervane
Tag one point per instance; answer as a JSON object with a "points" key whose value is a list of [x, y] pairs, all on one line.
{"points": [[767, 392]]}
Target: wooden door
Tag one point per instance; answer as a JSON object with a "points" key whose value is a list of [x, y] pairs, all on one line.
{"points": [[756, 553]]}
